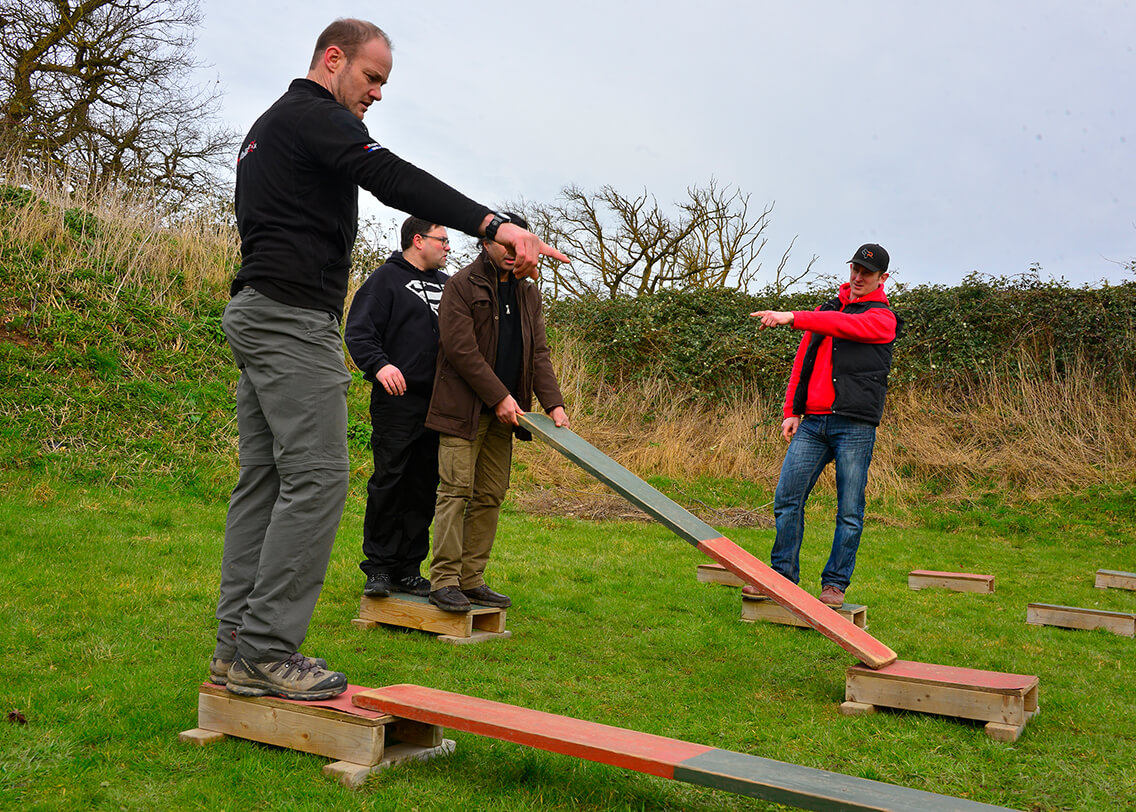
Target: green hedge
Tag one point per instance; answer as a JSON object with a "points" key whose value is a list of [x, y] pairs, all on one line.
{"points": [[705, 341]]}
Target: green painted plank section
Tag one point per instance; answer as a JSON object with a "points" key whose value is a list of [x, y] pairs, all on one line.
{"points": [[810, 788], [681, 521]]}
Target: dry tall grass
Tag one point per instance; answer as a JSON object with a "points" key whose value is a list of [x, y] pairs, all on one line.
{"points": [[1029, 432], [81, 235]]}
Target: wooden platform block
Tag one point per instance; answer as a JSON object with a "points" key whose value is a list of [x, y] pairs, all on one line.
{"points": [[360, 741], [201, 737], [1008, 701], [1115, 579], [353, 776], [480, 624], [776, 781], [757, 607], [1072, 617], [717, 574], [956, 581]]}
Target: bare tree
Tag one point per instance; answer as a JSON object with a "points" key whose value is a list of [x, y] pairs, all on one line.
{"points": [[621, 244], [96, 91]]}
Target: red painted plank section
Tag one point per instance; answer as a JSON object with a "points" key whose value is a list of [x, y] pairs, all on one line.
{"points": [[994, 681], [642, 752], [808, 608]]}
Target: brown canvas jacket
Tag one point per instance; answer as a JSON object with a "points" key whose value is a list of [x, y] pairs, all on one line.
{"points": [[468, 328]]}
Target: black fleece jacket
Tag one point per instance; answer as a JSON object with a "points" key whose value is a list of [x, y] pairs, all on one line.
{"points": [[394, 320], [297, 197]]}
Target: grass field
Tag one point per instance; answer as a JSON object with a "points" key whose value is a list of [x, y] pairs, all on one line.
{"points": [[106, 603]]}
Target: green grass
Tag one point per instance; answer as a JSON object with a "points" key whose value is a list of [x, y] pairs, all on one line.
{"points": [[106, 602]]}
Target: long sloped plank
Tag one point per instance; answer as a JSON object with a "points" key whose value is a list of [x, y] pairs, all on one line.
{"points": [[709, 541], [642, 752], [791, 784]]}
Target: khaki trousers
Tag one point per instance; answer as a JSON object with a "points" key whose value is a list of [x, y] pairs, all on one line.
{"points": [[473, 478]]}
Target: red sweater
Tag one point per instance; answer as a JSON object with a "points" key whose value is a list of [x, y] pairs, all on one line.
{"points": [[875, 326]]}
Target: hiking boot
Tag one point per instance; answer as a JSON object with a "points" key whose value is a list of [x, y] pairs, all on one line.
{"points": [[413, 585], [484, 596], [219, 669], [450, 599], [832, 596], [378, 585], [295, 677]]}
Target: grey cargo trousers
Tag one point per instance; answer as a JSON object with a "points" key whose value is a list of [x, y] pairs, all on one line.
{"points": [[286, 506]]}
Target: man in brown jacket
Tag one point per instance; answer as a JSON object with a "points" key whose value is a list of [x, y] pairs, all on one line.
{"points": [[492, 356]]}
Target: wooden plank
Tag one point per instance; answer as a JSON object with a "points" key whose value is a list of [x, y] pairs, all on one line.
{"points": [[990, 696], [643, 752], [717, 574], [681, 521], [707, 540], [810, 788], [804, 787], [756, 608], [1115, 579], [416, 612], [1072, 617], [298, 726], [804, 605], [956, 581]]}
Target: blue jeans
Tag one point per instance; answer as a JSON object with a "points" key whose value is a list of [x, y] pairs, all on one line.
{"points": [[819, 440]]}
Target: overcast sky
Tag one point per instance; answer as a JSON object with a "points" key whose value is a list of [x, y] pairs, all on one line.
{"points": [[961, 136]]}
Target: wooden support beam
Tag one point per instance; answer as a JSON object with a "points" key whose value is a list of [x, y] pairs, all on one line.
{"points": [[1072, 617], [707, 540], [361, 741], [1115, 579], [717, 574], [756, 607], [956, 581], [414, 612], [1005, 701], [776, 781]]}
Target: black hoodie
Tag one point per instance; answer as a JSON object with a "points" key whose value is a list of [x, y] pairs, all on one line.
{"points": [[394, 320]]}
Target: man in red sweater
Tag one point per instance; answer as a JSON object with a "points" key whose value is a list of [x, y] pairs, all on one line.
{"points": [[833, 404]]}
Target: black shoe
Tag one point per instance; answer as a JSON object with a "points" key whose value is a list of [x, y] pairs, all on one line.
{"points": [[484, 596], [450, 599], [378, 585], [413, 585]]}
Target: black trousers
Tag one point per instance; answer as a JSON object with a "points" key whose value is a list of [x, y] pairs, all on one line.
{"points": [[403, 487]]}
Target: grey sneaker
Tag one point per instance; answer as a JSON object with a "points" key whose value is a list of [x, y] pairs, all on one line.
{"points": [[219, 669], [296, 677]]}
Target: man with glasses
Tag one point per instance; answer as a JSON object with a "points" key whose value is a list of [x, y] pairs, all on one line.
{"points": [[833, 403], [392, 335]]}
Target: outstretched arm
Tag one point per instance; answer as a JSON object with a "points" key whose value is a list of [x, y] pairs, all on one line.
{"points": [[526, 246]]}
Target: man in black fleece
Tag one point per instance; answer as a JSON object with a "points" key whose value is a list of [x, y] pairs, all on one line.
{"points": [[299, 170], [392, 335]]}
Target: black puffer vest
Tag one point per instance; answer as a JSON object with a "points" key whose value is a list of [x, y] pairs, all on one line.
{"points": [[859, 371]]}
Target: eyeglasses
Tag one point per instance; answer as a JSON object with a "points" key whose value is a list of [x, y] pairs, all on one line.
{"points": [[443, 240]]}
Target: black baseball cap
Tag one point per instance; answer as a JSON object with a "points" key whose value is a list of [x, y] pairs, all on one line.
{"points": [[871, 256]]}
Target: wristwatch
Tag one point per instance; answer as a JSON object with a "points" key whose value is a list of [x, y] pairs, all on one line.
{"points": [[494, 224]]}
